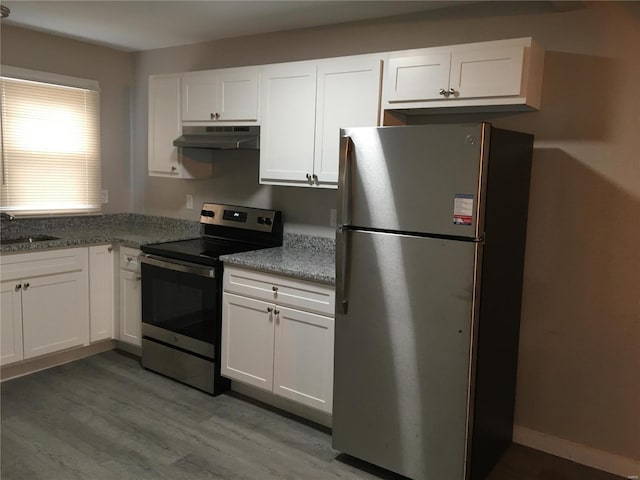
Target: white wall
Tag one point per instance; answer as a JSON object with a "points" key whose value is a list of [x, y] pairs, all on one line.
{"points": [[112, 69]]}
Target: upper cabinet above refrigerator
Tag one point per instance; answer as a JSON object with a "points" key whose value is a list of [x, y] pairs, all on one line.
{"points": [[504, 75]]}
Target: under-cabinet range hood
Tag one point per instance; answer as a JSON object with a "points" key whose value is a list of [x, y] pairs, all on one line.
{"points": [[219, 138]]}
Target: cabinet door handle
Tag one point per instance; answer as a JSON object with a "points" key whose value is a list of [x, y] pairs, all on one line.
{"points": [[138, 278], [308, 178], [315, 178], [109, 249], [452, 92], [27, 285], [274, 288], [277, 312], [269, 309], [18, 287], [443, 92], [129, 259]]}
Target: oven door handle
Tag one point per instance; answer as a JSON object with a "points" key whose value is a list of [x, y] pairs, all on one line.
{"points": [[179, 266]]}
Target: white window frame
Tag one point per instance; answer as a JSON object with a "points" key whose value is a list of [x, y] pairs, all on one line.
{"points": [[11, 72]]}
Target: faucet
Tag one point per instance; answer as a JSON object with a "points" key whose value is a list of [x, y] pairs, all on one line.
{"points": [[6, 216]]}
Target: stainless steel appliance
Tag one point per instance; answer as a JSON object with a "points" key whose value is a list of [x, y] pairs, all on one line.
{"points": [[182, 292], [430, 248]]}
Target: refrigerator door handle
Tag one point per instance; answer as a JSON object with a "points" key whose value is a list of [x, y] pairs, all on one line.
{"points": [[342, 271], [344, 181]]}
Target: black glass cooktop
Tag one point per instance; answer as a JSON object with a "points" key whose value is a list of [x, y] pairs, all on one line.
{"points": [[198, 250]]}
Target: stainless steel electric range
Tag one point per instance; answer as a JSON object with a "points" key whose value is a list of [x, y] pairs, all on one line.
{"points": [[182, 292]]}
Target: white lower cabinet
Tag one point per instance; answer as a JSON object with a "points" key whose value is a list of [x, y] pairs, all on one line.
{"points": [[303, 358], [11, 322], [101, 293], [130, 297], [271, 338], [45, 303], [247, 346]]}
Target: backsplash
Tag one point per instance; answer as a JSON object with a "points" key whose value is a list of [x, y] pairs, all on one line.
{"points": [[309, 242]]}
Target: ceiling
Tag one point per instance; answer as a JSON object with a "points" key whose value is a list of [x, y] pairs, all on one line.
{"points": [[145, 25]]}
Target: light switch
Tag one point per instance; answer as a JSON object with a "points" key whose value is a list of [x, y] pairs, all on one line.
{"points": [[189, 201]]}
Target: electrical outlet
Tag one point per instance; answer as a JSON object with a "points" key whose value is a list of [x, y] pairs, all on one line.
{"points": [[105, 196], [189, 201], [332, 217]]}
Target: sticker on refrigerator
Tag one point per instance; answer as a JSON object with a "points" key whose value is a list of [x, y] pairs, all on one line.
{"points": [[463, 209]]}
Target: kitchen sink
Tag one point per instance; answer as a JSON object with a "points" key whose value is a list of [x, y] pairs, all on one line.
{"points": [[27, 239]]}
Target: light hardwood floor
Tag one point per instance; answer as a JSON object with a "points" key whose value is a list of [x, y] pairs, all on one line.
{"points": [[105, 417]]}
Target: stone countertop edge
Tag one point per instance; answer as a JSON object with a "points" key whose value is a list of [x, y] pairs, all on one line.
{"points": [[130, 230], [301, 256]]}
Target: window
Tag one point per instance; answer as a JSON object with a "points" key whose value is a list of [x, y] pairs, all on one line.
{"points": [[50, 145]]}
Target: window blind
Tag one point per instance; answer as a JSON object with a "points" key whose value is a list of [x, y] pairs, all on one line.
{"points": [[50, 148]]}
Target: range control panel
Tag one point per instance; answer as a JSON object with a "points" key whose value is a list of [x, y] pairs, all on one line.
{"points": [[239, 217]]}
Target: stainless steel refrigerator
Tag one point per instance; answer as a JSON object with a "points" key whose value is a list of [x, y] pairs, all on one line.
{"points": [[429, 260]]}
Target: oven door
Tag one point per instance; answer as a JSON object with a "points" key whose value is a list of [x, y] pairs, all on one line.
{"points": [[180, 304]]}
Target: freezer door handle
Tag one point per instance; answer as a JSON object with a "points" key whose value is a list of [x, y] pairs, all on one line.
{"points": [[342, 271], [344, 180]]}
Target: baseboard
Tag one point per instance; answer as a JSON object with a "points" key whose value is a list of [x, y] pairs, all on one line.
{"points": [[26, 367], [316, 416], [591, 457]]}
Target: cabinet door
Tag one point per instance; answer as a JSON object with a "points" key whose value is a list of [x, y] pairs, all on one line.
{"points": [[348, 96], [164, 124], [416, 78], [303, 360], [55, 313], [130, 308], [199, 96], [237, 94], [288, 114], [488, 72], [10, 322], [101, 292], [247, 340]]}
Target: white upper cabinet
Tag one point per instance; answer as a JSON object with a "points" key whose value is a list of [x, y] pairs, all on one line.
{"points": [[287, 122], [303, 106], [417, 78], [225, 95], [348, 96], [500, 75], [165, 125]]}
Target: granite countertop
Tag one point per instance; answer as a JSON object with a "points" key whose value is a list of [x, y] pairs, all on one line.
{"points": [[128, 229], [301, 256]]}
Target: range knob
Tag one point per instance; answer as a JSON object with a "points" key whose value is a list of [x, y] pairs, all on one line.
{"points": [[207, 213], [264, 221]]}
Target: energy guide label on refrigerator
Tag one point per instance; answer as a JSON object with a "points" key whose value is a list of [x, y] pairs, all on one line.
{"points": [[463, 209]]}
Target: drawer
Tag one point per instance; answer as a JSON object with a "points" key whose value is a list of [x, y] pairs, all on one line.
{"points": [[284, 291], [50, 262], [129, 259]]}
